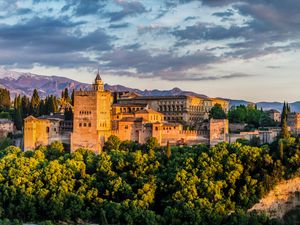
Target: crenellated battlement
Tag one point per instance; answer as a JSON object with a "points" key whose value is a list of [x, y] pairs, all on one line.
{"points": [[84, 93]]}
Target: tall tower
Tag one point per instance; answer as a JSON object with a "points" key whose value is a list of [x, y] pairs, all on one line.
{"points": [[92, 117], [98, 85]]}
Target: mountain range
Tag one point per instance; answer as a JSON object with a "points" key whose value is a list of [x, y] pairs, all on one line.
{"points": [[24, 84]]}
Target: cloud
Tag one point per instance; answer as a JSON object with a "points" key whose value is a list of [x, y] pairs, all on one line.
{"points": [[84, 7], [118, 25], [227, 13], [50, 42], [129, 8], [167, 66]]}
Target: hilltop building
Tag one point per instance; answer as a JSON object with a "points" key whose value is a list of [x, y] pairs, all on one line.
{"points": [[274, 115], [6, 127], [98, 114], [188, 110], [293, 122]]}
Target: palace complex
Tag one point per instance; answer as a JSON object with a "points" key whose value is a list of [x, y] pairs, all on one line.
{"points": [[98, 114]]}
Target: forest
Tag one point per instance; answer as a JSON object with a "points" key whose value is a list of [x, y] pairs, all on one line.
{"points": [[128, 183]]}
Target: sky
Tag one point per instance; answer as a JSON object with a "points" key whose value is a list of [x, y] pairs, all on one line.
{"points": [[222, 48]]}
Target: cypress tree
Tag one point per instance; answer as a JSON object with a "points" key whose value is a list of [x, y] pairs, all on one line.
{"points": [[4, 99], [35, 102], [168, 150], [284, 130], [103, 220], [66, 94], [280, 149], [72, 98]]}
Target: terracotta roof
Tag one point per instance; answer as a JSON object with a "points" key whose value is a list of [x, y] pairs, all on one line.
{"points": [[147, 110], [273, 111], [159, 97], [56, 116], [131, 119], [130, 104]]}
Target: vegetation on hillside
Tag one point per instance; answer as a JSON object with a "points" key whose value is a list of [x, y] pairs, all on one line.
{"points": [[250, 115], [24, 106], [143, 184]]}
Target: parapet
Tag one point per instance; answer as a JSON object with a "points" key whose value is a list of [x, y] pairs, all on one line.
{"points": [[84, 93]]}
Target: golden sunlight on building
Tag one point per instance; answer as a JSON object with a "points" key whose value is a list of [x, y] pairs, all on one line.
{"points": [[98, 114]]}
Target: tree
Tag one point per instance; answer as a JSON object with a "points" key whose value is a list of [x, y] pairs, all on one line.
{"points": [[152, 143], [284, 130], [34, 103], [217, 112], [280, 149], [68, 113], [72, 97], [112, 143], [103, 220], [66, 94], [4, 99], [168, 150]]}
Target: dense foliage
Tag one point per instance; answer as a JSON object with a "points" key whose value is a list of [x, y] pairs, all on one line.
{"points": [[250, 115], [217, 112], [24, 106], [4, 99], [125, 185]]}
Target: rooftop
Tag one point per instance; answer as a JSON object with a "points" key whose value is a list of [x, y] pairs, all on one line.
{"points": [[4, 120]]}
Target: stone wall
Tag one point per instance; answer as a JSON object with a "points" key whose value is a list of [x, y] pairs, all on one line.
{"points": [[283, 198]]}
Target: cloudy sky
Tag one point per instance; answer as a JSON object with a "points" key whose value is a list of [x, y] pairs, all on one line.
{"points": [[230, 48]]}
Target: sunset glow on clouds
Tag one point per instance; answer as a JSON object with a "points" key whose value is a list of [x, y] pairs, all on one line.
{"points": [[236, 49]]}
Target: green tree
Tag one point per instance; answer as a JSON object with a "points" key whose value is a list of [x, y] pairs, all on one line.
{"points": [[34, 103], [217, 112], [168, 150], [151, 143], [113, 143], [4, 99]]}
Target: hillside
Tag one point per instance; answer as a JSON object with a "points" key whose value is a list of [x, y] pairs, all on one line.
{"points": [[282, 199]]}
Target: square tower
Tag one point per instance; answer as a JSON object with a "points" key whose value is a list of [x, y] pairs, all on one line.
{"points": [[92, 117]]}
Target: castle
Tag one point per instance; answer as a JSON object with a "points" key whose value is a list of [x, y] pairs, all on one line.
{"points": [[98, 114]]}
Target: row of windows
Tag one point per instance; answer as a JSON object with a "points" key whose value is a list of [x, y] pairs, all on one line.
{"points": [[85, 112], [85, 124], [154, 117], [171, 102], [171, 118], [163, 108], [133, 109]]}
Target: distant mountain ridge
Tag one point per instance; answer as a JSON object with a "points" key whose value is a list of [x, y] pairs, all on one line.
{"points": [[295, 106], [25, 83]]}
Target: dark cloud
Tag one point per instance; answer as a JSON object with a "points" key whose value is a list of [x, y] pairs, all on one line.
{"points": [[204, 31], [129, 8], [49, 41], [190, 18], [168, 66], [84, 7], [118, 25], [268, 23], [227, 13]]}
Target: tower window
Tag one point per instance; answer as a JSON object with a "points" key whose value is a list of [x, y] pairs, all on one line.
{"points": [[80, 124], [90, 124]]}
